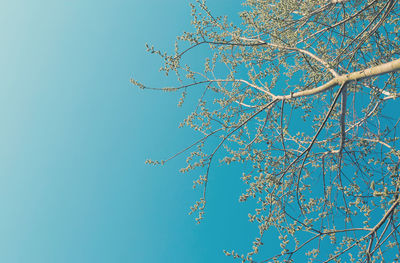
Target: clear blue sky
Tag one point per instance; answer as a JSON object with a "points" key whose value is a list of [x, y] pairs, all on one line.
{"points": [[75, 134]]}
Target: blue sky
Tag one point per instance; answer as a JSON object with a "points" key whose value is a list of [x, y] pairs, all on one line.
{"points": [[75, 134]]}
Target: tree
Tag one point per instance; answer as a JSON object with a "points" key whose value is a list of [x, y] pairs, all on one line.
{"points": [[304, 91]]}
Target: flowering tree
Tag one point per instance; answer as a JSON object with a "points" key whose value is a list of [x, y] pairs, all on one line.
{"points": [[305, 91]]}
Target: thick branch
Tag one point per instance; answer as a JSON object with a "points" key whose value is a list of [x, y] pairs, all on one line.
{"points": [[389, 67]]}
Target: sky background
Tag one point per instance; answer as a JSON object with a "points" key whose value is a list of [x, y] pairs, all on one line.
{"points": [[75, 134]]}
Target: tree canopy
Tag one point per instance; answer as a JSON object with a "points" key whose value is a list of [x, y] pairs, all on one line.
{"points": [[305, 93]]}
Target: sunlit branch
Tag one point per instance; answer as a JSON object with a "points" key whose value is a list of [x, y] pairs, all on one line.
{"points": [[354, 76]]}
